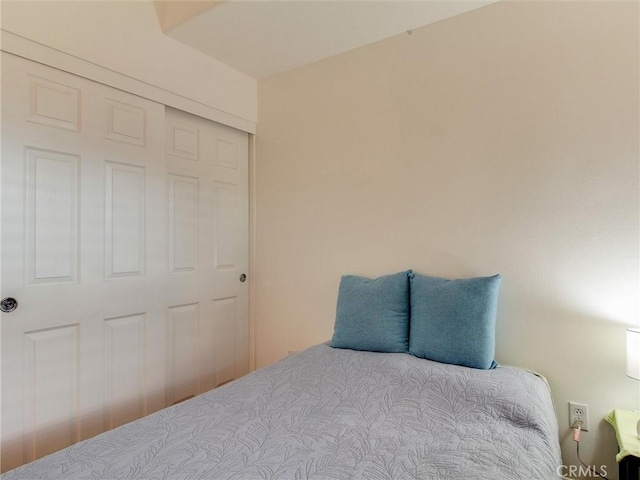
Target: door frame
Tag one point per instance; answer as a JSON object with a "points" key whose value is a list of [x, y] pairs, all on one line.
{"points": [[37, 52]]}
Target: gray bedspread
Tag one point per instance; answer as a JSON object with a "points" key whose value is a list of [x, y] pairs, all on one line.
{"points": [[326, 413]]}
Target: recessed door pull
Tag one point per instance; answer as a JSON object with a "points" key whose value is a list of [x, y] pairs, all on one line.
{"points": [[8, 304]]}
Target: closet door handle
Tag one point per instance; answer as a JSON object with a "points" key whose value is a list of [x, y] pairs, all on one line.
{"points": [[243, 277], [8, 304]]}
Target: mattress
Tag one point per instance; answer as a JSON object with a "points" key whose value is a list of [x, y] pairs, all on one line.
{"points": [[327, 413]]}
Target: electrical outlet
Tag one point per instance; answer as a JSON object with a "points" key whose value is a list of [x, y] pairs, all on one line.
{"points": [[579, 411]]}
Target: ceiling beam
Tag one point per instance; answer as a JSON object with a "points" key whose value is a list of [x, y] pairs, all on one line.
{"points": [[172, 13]]}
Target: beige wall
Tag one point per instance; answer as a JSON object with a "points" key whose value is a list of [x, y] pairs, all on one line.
{"points": [[502, 140], [125, 37]]}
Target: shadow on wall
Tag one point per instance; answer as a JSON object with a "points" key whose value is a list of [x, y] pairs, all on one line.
{"points": [[575, 351]]}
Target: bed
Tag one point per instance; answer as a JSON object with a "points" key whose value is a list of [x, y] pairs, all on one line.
{"points": [[328, 413]]}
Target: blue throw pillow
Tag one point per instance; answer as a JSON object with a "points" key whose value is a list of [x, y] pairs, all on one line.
{"points": [[373, 315], [453, 321]]}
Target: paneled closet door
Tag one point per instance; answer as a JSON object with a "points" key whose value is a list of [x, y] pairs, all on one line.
{"points": [[83, 253], [207, 318], [117, 261]]}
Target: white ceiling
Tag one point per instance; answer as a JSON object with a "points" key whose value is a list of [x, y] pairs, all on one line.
{"points": [[265, 37]]}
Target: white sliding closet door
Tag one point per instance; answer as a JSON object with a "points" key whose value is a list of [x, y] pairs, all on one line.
{"points": [[208, 318], [123, 247]]}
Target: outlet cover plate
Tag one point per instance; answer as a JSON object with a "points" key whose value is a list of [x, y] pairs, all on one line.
{"points": [[579, 411]]}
